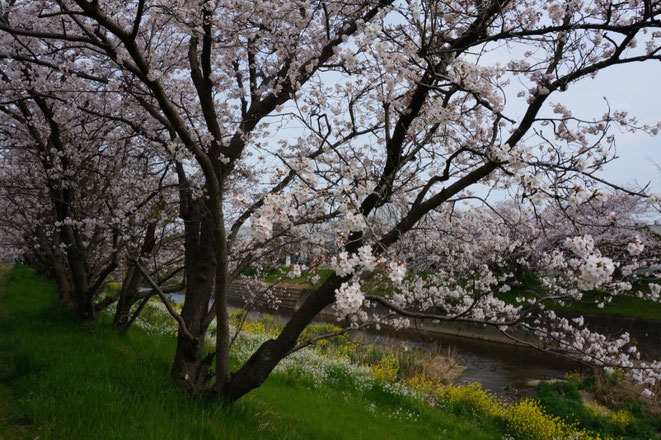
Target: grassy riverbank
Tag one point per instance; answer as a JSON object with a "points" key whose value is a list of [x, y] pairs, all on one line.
{"points": [[620, 306], [61, 379]]}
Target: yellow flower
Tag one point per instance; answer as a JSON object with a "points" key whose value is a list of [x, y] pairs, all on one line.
{"points": [[474, 396], [420, 383], [386, 369], [255, 327], [596, 409], [621, 418], [525, 418]]}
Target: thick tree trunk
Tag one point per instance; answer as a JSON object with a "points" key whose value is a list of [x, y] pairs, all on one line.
{"points": [[222, 318], [79, 273], [85, 306], [60, 272], [255, 371], [51, 263], [191, 369], [127, 297], [65, 290]]}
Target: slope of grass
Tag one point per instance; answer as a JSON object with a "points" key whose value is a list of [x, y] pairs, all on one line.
{"points": [[62, 379], [620, 306], [624, 306]]}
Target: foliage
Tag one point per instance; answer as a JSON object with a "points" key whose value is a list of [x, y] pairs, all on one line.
{"points": [[534, 419], [625, 306], [623, 417], [46, 355], [386, 369], [619, 306], [525, 419]]}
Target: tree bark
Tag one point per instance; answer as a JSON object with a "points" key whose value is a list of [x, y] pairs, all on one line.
{"points": [[255, 371], [191, 369], [65, 291], [130, 291]]}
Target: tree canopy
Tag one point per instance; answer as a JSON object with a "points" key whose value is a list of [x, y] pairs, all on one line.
{"points": [[232, 131]]}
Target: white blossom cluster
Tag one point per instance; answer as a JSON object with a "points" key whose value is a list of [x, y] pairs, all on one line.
{"points": [[595, 348], [353, 222], [348, 298], [655, 291], [276, 209], [635, 247], [295, 270], [345, 264], [594, 269]]}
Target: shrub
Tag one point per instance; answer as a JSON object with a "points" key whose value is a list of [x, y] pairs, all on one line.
{"points": [[386, 369], [621, 418]]}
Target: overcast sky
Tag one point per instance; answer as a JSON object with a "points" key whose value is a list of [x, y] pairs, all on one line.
{"points": [[636, 89]]}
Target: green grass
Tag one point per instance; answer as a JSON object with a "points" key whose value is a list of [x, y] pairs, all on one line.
{"points": [[621, 306], [62, 379], [624, 306], [563, 399]]}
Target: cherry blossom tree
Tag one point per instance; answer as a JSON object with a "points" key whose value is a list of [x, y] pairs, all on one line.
{"points": [[617, 223], [372, 115], [154, 243], [70, 207], [512, 244]]}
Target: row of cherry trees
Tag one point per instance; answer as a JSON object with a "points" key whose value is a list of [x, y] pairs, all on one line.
{"points": [[177, 141]]}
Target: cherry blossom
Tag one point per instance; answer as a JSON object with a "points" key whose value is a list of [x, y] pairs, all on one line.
{"points": [[355, 130]]}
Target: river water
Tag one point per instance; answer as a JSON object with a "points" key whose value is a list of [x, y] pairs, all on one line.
{"points": [[499, 367]]}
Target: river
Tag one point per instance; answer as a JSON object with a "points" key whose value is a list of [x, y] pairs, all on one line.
{"points": [[502, 368]]}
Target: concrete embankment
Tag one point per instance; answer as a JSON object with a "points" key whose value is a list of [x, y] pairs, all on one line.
{"points": [[289, 298]]}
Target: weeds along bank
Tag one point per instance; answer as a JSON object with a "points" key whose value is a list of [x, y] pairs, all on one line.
{"points": [[337, 388], [343, 361]]}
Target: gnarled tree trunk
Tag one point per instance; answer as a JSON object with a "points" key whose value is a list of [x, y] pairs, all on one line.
{"points": [[255, 371], [191, 369]]}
